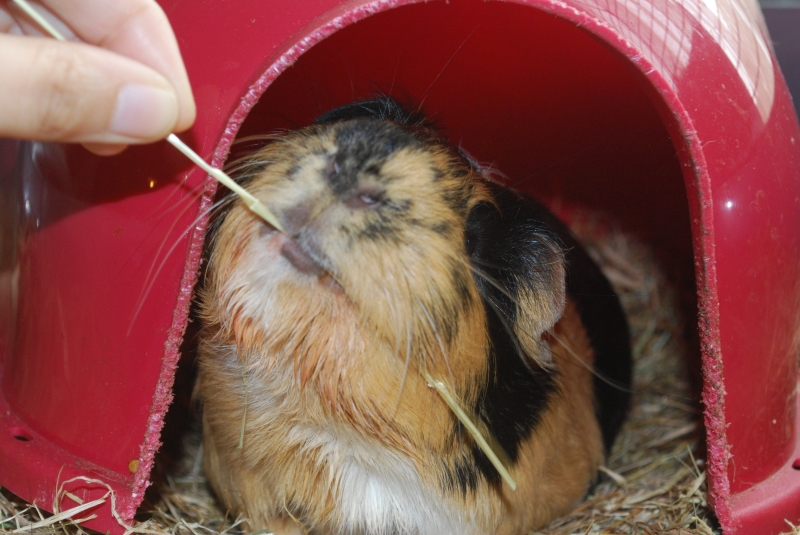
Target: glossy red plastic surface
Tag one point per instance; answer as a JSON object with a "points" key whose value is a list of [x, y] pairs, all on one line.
{"points": [[766, 507], [670, 115]]}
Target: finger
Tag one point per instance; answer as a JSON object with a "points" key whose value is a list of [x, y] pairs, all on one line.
{"points": [[56, 91], [137, 29], [105, 149], [7, 22]]}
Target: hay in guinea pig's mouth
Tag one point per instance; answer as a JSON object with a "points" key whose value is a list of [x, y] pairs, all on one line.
{"points": [[655, 478]]}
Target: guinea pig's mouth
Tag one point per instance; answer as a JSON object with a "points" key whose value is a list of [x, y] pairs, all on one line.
{"points": [[301, 260]]}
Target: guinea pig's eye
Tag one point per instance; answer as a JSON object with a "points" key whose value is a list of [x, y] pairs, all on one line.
{"points": [[365, 198]]}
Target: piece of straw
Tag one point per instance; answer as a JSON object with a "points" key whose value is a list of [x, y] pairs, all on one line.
{"points": [[493, 451], [39, 19], [251, 202], [256, 206], [58, 516], [244, 412], [64, 515]]}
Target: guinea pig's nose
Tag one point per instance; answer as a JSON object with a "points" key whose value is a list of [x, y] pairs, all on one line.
{"points": [[297, 217]]}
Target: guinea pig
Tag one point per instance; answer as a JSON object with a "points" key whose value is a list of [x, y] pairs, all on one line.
{"points": [[400, 260]]}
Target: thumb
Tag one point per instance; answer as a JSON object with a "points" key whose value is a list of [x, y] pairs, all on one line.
{"points": [[73, 92]]}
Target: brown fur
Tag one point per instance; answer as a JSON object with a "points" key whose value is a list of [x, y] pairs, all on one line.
{"points": [[329, 365]]}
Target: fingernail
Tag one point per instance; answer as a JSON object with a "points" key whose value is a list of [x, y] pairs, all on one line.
{"points": [[143, 112]]}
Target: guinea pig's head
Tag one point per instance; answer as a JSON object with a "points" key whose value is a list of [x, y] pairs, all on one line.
{"points": [[386, 253]]}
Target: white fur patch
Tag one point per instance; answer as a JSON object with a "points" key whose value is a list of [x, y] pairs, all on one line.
{"points": [[379, 492], [385, 495]]}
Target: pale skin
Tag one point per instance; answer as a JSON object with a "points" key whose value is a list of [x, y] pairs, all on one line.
{"points": [[118, 80]]}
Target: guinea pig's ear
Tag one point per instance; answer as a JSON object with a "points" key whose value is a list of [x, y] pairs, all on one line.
{"points": [[518, 265], [540, 305], [381, 109]]}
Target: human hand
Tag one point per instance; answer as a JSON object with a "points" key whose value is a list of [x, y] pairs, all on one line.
{"points": [[119, 78]]}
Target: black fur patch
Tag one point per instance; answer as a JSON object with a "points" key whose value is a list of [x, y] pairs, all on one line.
{"points": [[381, 227], [457, 199], [461, 477], [461, 282], [363, 146], [387, 220], [381, 109], [508, 246], [370, 132], [596, 303]]}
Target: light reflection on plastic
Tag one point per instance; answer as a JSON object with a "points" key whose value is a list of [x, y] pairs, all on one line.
{"points": [[660, 29], [729, 205], [738, 27], [663, 31]]}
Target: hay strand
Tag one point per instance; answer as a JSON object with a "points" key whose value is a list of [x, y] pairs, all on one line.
{"points": [[483, 438]]}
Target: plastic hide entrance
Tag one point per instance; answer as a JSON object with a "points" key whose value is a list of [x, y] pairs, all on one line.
{"points": [[671, 115]]}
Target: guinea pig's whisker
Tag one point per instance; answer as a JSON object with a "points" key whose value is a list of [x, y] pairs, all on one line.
{"points": [[247, 163], [294, 519], [504, 320], [409, 346], [587, 366], [153, 275], [261, 137], [483, 263], [246, 172], [394, 316], [409, 342], [438, 340], [215, 212], [236, 167], [394, 76], [501, 316], [491, 173], [245, 176], [494, 283], [487, 170], [244, 411], [215, 208], [444, 68], [194, 193], [243, 162]]}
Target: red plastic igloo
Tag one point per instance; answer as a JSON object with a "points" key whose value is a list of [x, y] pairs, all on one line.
{"points": [[670, 114]]}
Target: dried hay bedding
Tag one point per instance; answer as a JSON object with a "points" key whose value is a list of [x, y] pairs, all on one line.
{"points": [[654, 481]]}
